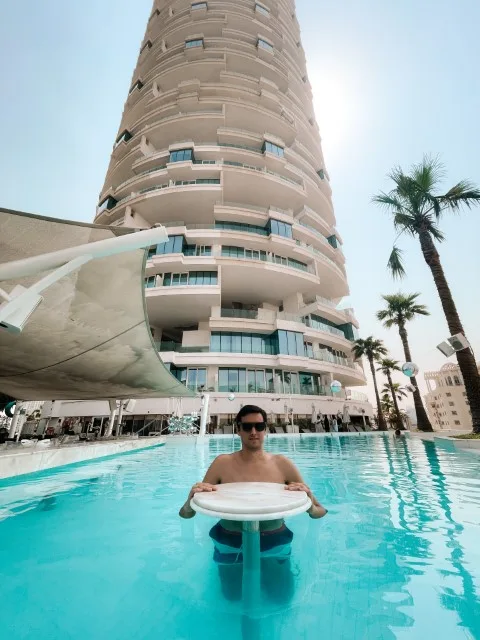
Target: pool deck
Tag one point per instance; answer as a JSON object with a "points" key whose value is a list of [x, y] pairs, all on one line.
{"points": [[17, 461], [447, 440]]}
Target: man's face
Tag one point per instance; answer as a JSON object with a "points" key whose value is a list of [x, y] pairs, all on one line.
{"points": [[253, 439]]}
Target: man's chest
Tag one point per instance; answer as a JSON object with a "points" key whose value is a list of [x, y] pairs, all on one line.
{"points": [[252, 473]]}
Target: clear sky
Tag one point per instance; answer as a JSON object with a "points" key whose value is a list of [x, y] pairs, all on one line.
{"points": [[391, 82]]}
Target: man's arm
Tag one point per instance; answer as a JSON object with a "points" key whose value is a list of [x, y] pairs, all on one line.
{"points": [[212, 477], [294, 482]]}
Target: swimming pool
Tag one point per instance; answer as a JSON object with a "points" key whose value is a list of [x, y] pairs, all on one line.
{"points": [[98, 551]]}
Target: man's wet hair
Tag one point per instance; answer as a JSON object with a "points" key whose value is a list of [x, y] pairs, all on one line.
{"points": [[247, 410]]}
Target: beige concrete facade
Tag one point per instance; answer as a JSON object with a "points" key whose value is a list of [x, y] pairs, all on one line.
{"points": [[446, 400], [218, 142]]}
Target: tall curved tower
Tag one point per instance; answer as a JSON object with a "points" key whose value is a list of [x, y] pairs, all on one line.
{"points": [[218, 142]]}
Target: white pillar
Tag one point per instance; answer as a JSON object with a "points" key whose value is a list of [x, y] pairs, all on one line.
{"points": [[14, 422], [119, 419], [111, 420], [204, 414], [251, 580]]}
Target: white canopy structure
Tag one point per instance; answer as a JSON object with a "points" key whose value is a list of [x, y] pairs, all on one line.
{"points": [[88, 336]]}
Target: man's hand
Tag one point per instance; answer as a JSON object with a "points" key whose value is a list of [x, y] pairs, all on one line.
{"points": [[186, 511], [200, 487], [316, 510], [299, 486]]}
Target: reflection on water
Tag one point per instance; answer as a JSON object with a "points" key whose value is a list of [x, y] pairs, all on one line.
{"points": [[398, 555]]}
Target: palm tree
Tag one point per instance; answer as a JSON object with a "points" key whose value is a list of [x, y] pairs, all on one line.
{"points": [[373, 350], [401, 309], [387, 365], [387, 406], [399, 390], [416, 210]]}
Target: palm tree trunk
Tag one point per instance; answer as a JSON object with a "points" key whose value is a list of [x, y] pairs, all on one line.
{"points": [[398, 417], [423, 423], [465, 358], [382, 425]]}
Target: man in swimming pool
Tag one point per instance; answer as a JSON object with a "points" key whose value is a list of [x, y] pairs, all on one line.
{"points": [[253, 464]]}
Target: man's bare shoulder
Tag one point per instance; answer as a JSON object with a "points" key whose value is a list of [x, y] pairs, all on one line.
{"points": [[223, 458], [288, 468], [282, 460]]}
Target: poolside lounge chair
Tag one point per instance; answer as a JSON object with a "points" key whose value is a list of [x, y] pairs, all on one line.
{"points": [[279, 430]]}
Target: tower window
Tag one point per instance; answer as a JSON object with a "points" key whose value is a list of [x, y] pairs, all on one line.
{"points": [[269, 147], [199, 5], [138, 85], [191, 44], [107, 203], [263, 44], [181, 155], [125, 136], [147, 45], [259, 8], [321, 174]]}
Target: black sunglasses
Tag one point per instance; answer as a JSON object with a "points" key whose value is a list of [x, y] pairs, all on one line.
{"points": [[248, 426]]}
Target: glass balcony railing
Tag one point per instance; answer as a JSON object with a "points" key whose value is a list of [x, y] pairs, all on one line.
{"points": [[326, 356], [178, 348], [247, 314], [172, 183], [321, 326], [304, 390]]}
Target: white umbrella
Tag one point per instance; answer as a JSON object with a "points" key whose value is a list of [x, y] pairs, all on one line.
{"points": [[346, 415], [314, 414]]}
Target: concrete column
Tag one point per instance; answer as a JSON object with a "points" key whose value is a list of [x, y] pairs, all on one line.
{"points": [[119, 419], [204, 414], [14, 422], [111, 420]]}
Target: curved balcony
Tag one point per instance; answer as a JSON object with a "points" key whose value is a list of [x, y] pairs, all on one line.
{"points": [[273, 281], [178, 199], [266, 321], [348, 375], [175, 306]]}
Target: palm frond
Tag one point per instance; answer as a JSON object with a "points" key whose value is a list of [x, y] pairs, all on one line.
{"points": [[428, 173], [464, 193], [405, 222], [436, 233], [395, 263]]}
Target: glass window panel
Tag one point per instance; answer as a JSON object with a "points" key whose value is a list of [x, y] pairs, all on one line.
{"points": [[201, 378], [215, 343], [294, 383], [237, 343], [192, 379], [226, 342], [257, 344], [286, 382], [300, 348], [233, 379], [269, 381], [246, 343], [222, 379], [251, 381], [278, 381], [242, 380], [292, 343], [282, 342], [260, 381]]}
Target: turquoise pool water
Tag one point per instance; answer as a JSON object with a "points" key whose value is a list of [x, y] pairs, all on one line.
{"points": [[98, 551]]}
